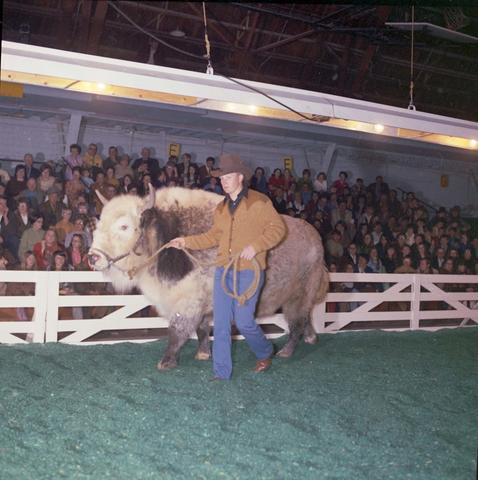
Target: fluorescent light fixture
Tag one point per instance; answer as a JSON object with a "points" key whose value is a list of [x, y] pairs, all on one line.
{"points": [[100, 86], [473, 143], [378, 127]]}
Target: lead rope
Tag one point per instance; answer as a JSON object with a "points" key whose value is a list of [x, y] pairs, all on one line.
{"points": [[233, 262]]}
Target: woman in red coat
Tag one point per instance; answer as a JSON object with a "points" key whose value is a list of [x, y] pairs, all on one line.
{"points": [[275, 181], [44, 250]]}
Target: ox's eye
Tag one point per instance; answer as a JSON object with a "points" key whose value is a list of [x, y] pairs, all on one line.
{"points": [[124, 227]]}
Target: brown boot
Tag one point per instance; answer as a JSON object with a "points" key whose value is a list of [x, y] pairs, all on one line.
{"points": [[263, 365]]}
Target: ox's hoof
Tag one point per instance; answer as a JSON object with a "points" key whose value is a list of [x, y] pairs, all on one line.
{"points": [[167, 364], [202, 356], [285, 352], [311, 339]]}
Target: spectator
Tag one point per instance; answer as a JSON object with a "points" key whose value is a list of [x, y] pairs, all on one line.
{"points": [[350, 256], [171, 172], [304, 183], [213, 186], [289, 180], [341, 183], [4, 177], [145, 163], [46, 180], [123, 168], [75, 186], [31, 194], [406, 266], [320, 183], [4, 215], [91, 159], [72, 160], [358, 188], [31, 235], [19, 222], [297, 205], [278, 201], [276, 181], [334, 247], [306, 192], [44, 249], [258, 181], [190, 179], [16, 185], [110, 177], [28, 263], [51, 208], [183, 166], [30, 170], [390, 261], [205, 171], [77, 253], [374, 262], [64, 226], [378, 188], [125, 182], [86, 180], [12, 261], [111, 160]]}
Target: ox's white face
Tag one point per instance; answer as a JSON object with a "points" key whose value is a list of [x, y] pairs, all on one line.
{"points": [[116, 233]]}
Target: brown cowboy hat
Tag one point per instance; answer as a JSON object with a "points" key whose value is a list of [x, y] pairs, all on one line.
{"points": [[231, 163]]}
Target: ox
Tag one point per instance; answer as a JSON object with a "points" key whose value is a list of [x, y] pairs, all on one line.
{"points": [[130, 229]]}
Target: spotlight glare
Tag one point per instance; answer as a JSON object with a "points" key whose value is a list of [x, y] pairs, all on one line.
{"points": [[379, 128], [101, 86], [253, 108], [473, 143]]}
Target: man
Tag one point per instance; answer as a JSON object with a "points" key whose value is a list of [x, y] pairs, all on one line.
{"points": [[183, 166], [50, 210], [145, 164], [31, 171], [92, 159], [112, 160], [378, 188], [205, 171], [245, 224]]}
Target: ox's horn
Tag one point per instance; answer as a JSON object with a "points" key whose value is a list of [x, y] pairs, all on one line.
{"points": [[151, 200], [101, 197]]}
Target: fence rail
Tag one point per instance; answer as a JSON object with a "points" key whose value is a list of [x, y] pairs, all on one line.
{"points": [[356, 301]]}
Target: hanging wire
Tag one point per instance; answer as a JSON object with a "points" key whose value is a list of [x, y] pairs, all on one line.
{"points": [[209, 69], [411, 105], [312, 118]]}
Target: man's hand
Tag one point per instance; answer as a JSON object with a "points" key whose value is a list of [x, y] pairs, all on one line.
{"points": [[248, 253], [178, 242]]}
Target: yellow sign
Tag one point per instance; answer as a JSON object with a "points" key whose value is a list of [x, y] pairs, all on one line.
{"points": [[174, 149], [289, 163], [9, 89], [444, 181]]}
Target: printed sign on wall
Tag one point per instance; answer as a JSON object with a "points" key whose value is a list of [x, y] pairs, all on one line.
{"points": [[174, 149], [289, 163]]}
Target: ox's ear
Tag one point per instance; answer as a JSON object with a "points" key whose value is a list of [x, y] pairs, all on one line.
{"points": [[150, 199], [103, 200]]}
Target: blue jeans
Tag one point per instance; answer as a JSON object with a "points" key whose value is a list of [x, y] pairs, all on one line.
{"points": [[227, 309]]}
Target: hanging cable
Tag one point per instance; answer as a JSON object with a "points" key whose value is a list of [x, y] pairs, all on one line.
{"points": [[209, 69], [411, 105], [166, 44], [207, 56]]}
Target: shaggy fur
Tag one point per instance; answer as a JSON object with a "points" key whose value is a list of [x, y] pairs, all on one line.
{"points": [[296, 278]]}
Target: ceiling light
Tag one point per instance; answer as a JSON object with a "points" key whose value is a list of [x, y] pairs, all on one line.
{"points": [[252, 108], [100, 86], [379, 128], [177, 33], [473, 143]]}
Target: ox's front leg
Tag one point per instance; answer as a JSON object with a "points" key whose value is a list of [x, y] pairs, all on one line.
{"points": [[180, 329]]}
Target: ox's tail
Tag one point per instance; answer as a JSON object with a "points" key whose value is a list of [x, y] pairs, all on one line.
{"points": [[323, 284]]}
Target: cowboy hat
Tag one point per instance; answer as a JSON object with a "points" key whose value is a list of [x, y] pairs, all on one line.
{"points": [[231, 163]]}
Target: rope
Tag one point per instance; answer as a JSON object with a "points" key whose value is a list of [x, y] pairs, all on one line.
{"points": [[233, 262], [209, 69], [411, 105]]}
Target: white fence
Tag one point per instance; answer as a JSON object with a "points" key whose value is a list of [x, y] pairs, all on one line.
{"points": [[406, 302]]}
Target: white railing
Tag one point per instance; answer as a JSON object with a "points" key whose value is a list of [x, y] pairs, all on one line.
{"points": [[411, 301], [407, 302]]}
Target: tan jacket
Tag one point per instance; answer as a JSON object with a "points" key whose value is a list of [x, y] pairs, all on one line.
{"points": [[255, 222]]}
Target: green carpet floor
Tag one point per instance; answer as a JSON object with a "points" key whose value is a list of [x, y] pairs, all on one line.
{"points": [[369, 405]]}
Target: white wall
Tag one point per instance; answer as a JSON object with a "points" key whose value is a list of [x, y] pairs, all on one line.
{"points": [[45, 140]]}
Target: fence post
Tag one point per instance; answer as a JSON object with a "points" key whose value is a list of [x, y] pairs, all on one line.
{"points": [[41, 307], [318, 317], [415, 303], [51, 330]]}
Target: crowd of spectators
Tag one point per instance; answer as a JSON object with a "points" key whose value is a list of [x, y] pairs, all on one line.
{"points": [[48, 215]]}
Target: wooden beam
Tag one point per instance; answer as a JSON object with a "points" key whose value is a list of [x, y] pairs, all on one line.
{"points": [[97, 24]]}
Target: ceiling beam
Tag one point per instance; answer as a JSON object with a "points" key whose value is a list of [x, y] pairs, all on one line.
{"points": [[97, 22]]}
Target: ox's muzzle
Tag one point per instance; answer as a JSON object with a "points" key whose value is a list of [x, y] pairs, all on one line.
{"points": [[97, 260]]}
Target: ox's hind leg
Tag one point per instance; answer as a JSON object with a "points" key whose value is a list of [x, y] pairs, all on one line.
{"points": [[310, 335], [295, 319], [180, 329], [203, 331]]}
